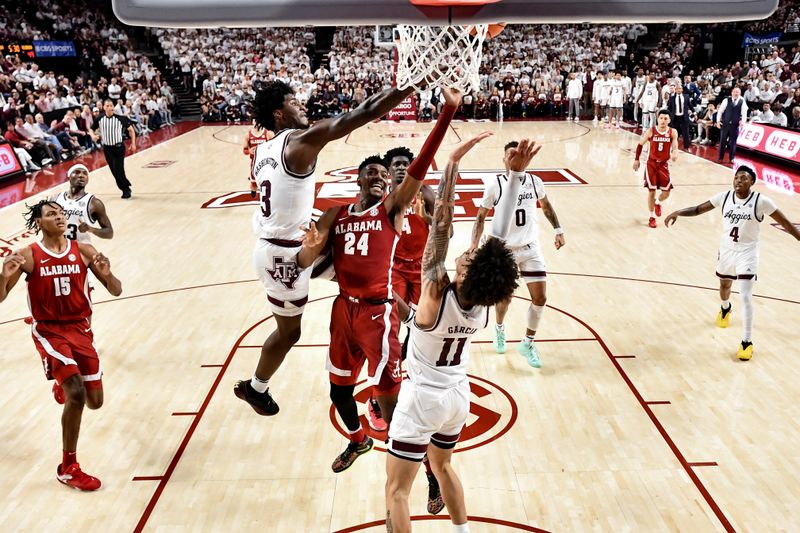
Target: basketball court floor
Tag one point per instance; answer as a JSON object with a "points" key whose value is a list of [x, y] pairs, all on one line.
{"points": [[641, 419]]}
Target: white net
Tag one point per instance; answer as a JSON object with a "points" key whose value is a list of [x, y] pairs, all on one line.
{"points": [[448, 56]]}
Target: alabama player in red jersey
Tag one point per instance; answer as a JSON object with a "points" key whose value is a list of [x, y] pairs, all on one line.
{"points": [[364, 321], [56, 271], [255, 136], [663, 146]]}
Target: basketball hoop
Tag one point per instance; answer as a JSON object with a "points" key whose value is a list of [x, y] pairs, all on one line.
{"points": [[448, 56]]}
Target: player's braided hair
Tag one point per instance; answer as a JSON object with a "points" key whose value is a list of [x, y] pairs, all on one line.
{"points": [[34, 213], [400, 151], [269, 98], [492, 275], [371, 160]]}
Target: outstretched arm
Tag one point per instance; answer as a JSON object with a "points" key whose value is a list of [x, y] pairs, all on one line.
{"points": [[705, 207], [302, 149], [316, 236], [781, 219], [477, 227]]}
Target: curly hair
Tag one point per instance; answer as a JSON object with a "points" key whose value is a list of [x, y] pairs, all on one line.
{"points": [[34, 213], [400, 151], [269, 98], [492, 275], [747, 170], [371, 160]]}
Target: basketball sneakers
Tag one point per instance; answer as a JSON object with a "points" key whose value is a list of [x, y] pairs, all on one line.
{"points": [[499, 339], [435, 501], [658, 210], [74, 477], [58, 394], [261, 402], [374, 416], [346, 459], [652, 222], [528, 349], [724, 317], [745, 351]]}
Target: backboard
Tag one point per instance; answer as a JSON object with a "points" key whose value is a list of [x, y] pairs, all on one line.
{"points": [[243, 13]]}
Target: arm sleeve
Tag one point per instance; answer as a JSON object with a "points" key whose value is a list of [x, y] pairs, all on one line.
{"points": [[765, 206], [717, 199]]}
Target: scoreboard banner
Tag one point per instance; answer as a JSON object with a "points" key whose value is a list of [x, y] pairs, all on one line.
{"points": [[54, 48]]}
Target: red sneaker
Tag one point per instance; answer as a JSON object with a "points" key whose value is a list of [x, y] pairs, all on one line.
{"points": [[658, 210], [58, 394], [374, 417], [652, 222], [74, 477]]}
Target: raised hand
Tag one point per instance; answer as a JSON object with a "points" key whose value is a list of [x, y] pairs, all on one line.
{"points": [[12, 264], [521, 156], [102, 263], [452, 97], [467, 145], [311, 235]]}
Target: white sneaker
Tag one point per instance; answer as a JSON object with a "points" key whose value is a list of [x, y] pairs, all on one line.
{"points": [[46, 161], [33, 167], [577, 119]]}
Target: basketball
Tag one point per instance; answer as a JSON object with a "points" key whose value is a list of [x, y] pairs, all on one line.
{"points": [[492, 31]]}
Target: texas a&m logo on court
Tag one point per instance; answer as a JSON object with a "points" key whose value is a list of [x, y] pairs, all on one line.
{"points": [[343, 189]]}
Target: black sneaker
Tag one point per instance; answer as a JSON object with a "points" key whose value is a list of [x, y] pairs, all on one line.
{"points": [[346, 459], [126, 195], [261, 402], [435, 501]]}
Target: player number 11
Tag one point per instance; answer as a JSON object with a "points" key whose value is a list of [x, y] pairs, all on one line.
{"points": [[448, 343]]}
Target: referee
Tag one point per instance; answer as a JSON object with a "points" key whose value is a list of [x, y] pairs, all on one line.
{"points": [[111, 127]]}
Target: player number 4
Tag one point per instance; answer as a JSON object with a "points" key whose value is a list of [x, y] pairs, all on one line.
{"points": [[448, 343], [62, 286], [350, 245], [735, 234]]}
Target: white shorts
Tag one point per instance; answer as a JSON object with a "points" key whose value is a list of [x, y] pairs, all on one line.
{"points": [[737, 264], [425, 415], [530, 263], [285, 282], [649, 105], [615, 102]]}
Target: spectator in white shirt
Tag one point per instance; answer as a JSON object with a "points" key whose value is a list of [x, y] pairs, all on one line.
{"points": [[574, 94]]}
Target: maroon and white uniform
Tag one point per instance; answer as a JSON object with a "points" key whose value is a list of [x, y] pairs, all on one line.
{"points": [[408, 257], [656, 172], [58, 298], [254, 140], [364, 321]]}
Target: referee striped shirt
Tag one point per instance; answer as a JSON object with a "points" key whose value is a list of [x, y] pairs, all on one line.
{"points": [[111, 129]]}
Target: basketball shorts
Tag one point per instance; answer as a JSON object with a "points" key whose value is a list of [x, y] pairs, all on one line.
{"points": [[360, 332], [286, 284], [656, 175], [737, 264], [425, 415], [649, 105], [407, 279], [67, 349], [530, 263], [615, 102]]}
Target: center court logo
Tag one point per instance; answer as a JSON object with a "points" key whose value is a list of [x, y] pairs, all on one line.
{"points": [[492, 412], [470, 185]]}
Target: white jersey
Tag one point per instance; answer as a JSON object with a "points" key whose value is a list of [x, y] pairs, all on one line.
{"points": [[639, 85], [616, 90], [600, 91], [741, 219], [438, 356], [650, 91], [515, 209], [76, 211], [287, 199]]}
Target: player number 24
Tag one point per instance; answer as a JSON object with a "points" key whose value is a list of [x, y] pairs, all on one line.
{"points": [[448, 343], [62, 286], [350, 245]]}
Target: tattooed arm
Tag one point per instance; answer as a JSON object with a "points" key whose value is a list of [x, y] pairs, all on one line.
{"points": [[550, 214], [434, 274]]}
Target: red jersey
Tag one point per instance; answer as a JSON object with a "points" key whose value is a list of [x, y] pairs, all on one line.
{"points": [[58, 286], [660, 145], [414, 236], [255, 140], [363, 247]]}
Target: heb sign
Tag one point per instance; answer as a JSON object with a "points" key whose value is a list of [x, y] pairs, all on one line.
{"points": [[766, 139], [773, 177], [405, 110]]}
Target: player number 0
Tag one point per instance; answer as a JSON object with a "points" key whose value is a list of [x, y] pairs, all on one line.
{"points": [[520, 216]]}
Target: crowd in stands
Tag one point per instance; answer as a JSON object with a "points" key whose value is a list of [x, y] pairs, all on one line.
{"points": [[49, 117]]}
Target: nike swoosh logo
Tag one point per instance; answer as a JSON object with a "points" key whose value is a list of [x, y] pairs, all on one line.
{"points": [[88, 330], [376, 316], [43, 261]]}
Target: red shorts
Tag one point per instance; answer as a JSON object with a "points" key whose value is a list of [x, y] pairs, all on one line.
{"points": [[364, 331], [407, 279], [656, 175], [67, 349]]}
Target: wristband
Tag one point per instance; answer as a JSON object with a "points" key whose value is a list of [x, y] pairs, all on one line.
{"points": [[638, 151], [559, 230], [516, 174]]}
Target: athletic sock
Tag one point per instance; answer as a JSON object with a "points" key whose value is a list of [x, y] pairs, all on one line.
{"points": [[529, 339], [67, 459], [259, 385], [460, 528], [357, 436], [500, 327], [652, 214]]}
